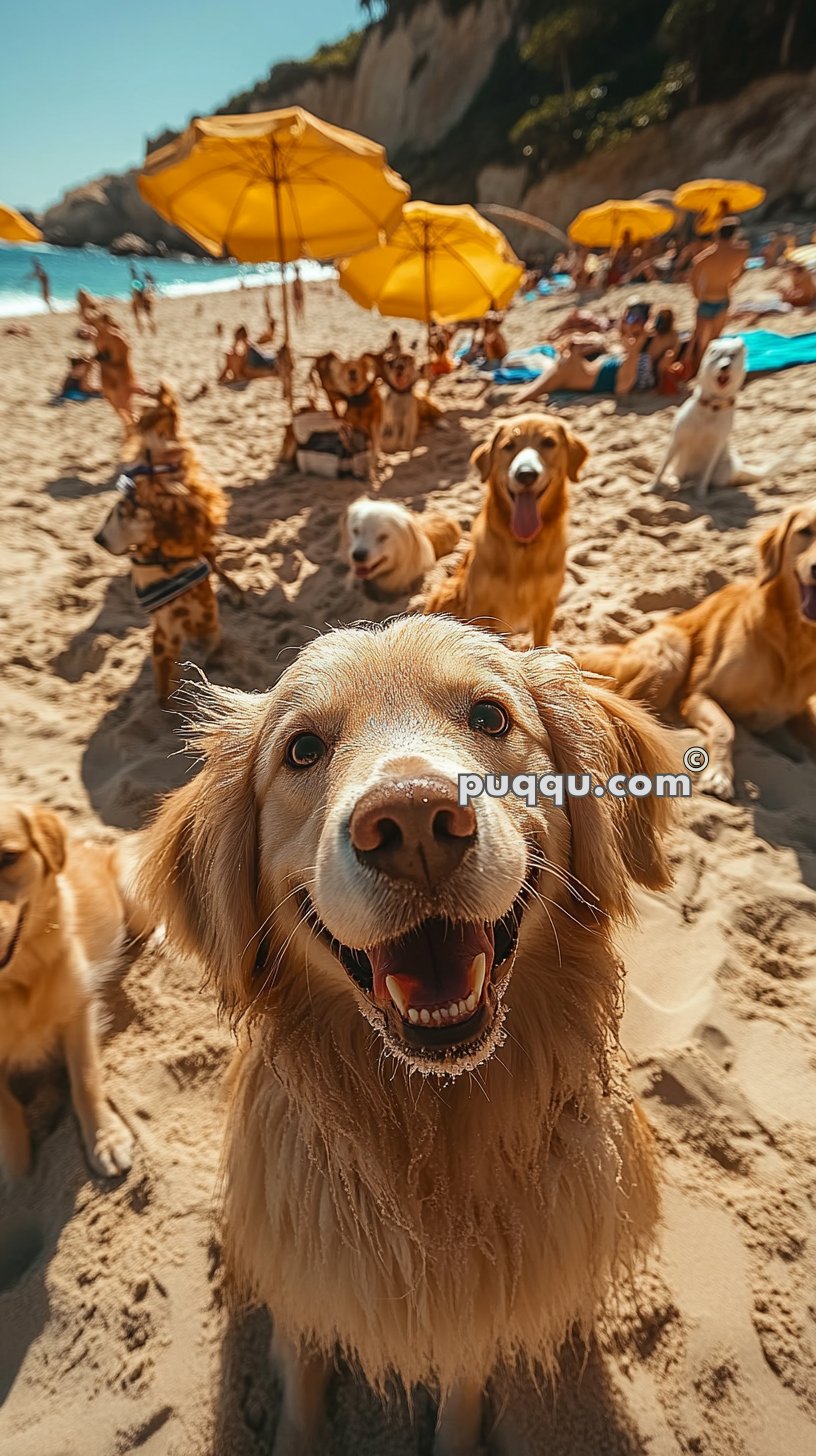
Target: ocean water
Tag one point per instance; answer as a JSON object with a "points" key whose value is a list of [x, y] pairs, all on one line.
{"points": [[107, 276]]}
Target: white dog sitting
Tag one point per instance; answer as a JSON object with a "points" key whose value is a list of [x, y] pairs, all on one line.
{"points": [[700, 445], [391, 548]]}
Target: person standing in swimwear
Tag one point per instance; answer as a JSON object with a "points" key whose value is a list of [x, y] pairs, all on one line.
{"points": [[716, 271], [39, 273]]}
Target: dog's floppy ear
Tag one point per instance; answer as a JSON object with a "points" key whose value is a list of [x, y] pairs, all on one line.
{"points": [[771, 548], [482, 455], [594, 732], [48, 837], [577, 453], [198, 872]]}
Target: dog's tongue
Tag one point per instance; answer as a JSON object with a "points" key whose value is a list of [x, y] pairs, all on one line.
{"points": [[525, 522], [432, 965], [809, 601]]}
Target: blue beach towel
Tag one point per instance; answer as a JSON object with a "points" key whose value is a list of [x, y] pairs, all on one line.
{"points": [[769, 351]]}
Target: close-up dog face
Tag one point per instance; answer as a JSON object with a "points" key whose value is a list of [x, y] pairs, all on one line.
{"points": [[380, 537], [722, 370], [127, 527], [525, 462], [322, 858], [791, 547], [32, 848], [400, 372], [352, 377]]}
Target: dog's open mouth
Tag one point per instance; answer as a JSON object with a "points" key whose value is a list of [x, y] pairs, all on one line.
{"points": [[525, 522], [435, 994], [6, 959], [364, 569], [724, 378], [808, 600]]}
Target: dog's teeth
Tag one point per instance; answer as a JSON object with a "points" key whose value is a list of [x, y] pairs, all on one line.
{"points": [[453, 1009], [443, 1012], [424, 1016], [462, 1008], [478, 970], [395, 992], [471, 1002], [436, 1018], [413, 1015]]}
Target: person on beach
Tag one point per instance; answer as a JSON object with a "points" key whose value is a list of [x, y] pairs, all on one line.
{"points": [[246, 360], [39, 274], [298, 297], [716, 271], [608, 373], [77, 383]]}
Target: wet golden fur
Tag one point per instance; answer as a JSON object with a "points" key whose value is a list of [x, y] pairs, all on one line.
{"points": [[435, 1230], [745, 653], [503, 583]]}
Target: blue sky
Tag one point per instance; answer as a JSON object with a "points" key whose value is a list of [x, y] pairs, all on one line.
{"points": [[84, 82]]}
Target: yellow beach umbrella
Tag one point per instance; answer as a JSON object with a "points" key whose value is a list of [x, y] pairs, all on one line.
{"points": [[606, 225], [274, 187], [440, 264], [714, 198], [14, 228]]}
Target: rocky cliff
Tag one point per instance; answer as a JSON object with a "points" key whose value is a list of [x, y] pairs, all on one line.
{"points": [[441, 85]]}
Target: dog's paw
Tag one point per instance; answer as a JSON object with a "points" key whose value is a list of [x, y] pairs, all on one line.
{"points": [[112, 1149], [719, 782]]}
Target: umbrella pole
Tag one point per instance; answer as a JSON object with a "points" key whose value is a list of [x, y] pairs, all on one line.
{"points": [[426, 257], [286, 377]]}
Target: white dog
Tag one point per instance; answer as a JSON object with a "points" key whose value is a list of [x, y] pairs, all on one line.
{"points": [[700, 444], [391, 548]]}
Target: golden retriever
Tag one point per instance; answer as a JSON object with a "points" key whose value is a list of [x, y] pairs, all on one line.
{"points": [[512, 578], [405, 409], [353, 384], [65, 912], [165, 521], [433, 1158], [390, 548], [747, 652]]}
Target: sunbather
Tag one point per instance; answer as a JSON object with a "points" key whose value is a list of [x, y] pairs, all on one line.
{"points": [[246, 360]]}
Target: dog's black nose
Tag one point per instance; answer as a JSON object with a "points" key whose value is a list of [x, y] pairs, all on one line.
{"points": [[527, 476], [413, 830], [359, 553]]}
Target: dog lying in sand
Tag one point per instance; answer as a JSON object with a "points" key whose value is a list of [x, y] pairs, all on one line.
{"points": [[747, 652], [512, 577], [64, 916], [165, 521], [390, 548], [395, 1187], [700, 446]]}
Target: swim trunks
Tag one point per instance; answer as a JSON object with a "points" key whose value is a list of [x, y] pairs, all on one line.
{"points": [[606, 376], [707, 310]]}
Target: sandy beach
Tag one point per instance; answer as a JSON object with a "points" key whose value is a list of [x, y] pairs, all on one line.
{"points": [[114, 1335]]}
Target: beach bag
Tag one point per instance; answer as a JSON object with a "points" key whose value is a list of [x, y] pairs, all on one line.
{"points": [[327, 446]]}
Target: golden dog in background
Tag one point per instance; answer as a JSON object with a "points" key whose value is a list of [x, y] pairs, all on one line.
{"points": [[512, 577], [165, 521], [65, 912], [747, 652], [390, 548], [355, 914]]}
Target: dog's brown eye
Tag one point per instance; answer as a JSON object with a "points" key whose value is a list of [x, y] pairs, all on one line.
{"points": [[304, 750], [9, 857], [806, 531], [490, 718]]}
